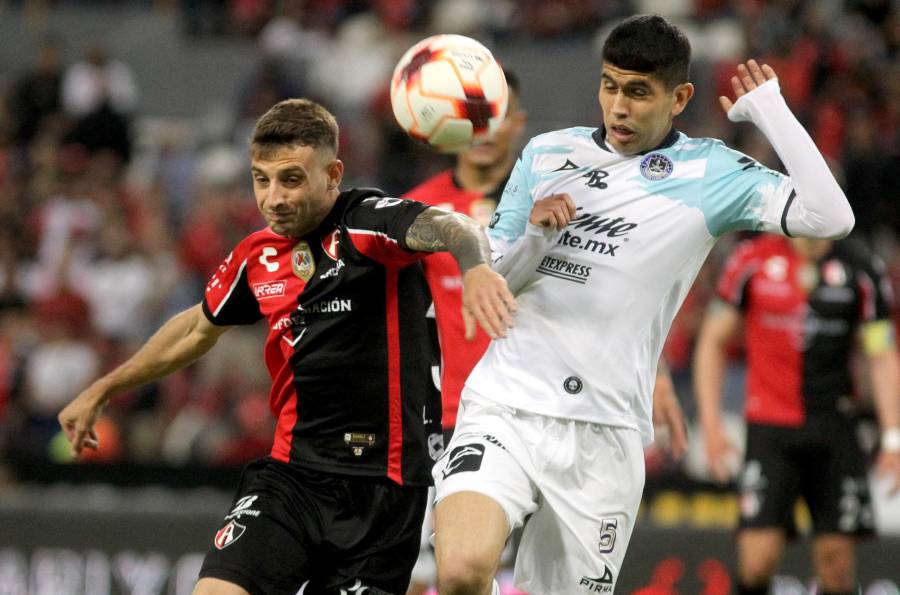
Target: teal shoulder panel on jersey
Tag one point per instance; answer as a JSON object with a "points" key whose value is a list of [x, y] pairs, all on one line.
{"points": [[729, 188], [512, 213]]}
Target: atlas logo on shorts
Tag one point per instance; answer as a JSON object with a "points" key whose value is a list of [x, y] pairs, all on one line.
{"points": [[467, 457], [228, 534], [601, 584]]}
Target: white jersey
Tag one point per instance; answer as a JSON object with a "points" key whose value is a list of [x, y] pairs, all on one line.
{"points": [[595, 312]]}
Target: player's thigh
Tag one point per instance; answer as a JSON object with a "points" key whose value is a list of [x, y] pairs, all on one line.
{"points": [[483, 486], [591, 490], [770, 481], [758, 552], [376, 535], [835, 485], [266, 544]]}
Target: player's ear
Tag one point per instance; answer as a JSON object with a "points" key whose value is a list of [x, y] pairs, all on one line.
{"points": [[682, 94], [335, 169]]}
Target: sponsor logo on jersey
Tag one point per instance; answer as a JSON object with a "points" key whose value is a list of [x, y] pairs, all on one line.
{"points": [[600, 584], [302, 261], [492, 440], [332, 305], [282, 323], [612, 227], [269, 289], [494, 221], [333, 271], [467, 457], [228, 534], [563, 269], [242, 508], [330, 244], [656, 166], [573, 385]]}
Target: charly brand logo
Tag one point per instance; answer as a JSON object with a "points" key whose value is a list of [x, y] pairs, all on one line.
{"points": [[228, 534], [656, 166], [467, 457], [302, 261]]}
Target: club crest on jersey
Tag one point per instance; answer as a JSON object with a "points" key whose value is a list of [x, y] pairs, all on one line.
{"points": [[656, 166], [228, 534], [330, 244], [302, 261], [481, 210]]}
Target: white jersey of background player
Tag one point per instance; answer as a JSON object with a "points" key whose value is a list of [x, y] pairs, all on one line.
{"points": [[601, 233]]}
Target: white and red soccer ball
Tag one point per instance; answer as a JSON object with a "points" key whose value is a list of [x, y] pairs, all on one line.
{"points": [[449, 92]]}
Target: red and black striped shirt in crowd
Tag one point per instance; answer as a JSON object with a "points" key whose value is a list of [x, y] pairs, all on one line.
{"points": [[800, 323], [348, 347]]}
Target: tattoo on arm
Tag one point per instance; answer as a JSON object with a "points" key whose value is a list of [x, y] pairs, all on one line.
{"points": [[436, 230]]}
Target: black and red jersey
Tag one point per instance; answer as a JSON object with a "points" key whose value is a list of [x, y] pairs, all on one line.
{"points": [[348, 347], [445, 280], [800, 321]]}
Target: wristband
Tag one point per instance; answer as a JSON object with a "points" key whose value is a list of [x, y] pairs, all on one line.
{"points": [[890, 440]]}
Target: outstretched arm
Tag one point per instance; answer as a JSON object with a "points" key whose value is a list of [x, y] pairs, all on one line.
{"points": [[820, 209], [486, 297], [180, 341]]}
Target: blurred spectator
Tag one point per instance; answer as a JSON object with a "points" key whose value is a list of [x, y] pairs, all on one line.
{"points": [[37, 94], [100, 95]]}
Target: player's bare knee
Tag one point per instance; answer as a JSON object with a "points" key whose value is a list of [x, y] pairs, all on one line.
{"points": [[464, 572], [835, 564]]}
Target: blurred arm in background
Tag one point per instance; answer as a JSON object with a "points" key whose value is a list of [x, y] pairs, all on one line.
{"points": [[720, 325]]}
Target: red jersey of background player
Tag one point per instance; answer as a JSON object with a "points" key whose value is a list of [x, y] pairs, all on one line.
{"points": [[459, 356], [800, 321]]}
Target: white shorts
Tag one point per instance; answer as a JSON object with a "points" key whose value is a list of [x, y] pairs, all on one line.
{"points": [[576, 486]]}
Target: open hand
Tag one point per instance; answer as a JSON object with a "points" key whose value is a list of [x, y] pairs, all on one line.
{"points": [[749, 77]]}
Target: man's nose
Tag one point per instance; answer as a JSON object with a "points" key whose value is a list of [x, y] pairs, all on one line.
{"points": [[620, 105]]}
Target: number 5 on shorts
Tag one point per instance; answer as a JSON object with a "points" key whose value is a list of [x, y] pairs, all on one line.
{"points": [[608, 535]]}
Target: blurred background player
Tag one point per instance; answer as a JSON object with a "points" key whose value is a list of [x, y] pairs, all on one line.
{"points": [[803, 304]]}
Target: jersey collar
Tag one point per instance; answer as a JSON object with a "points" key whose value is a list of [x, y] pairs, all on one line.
{"points": [[599, 137]]}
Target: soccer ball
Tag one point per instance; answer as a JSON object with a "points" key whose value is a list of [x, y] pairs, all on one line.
{"points": [[449, 92]]}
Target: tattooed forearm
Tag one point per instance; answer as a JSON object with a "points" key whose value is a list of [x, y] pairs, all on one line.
{"points": [[436, 230]]}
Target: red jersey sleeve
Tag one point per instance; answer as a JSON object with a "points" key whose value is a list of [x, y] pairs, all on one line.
{"points": [[736, 273], [228, 298], [377, 226]]}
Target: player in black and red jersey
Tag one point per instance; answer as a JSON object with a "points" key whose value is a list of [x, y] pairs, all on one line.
{"points": [[339, 503], [803, 304]]}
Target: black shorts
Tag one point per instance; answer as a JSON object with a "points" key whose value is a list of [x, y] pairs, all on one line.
{"points": [[820, 461], [289, 527]]}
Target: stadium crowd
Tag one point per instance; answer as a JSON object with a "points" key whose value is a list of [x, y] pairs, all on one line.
{"points": [[103, 236]]}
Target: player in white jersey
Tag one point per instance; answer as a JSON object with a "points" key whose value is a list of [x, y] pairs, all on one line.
{"points": [[601, 233]]}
